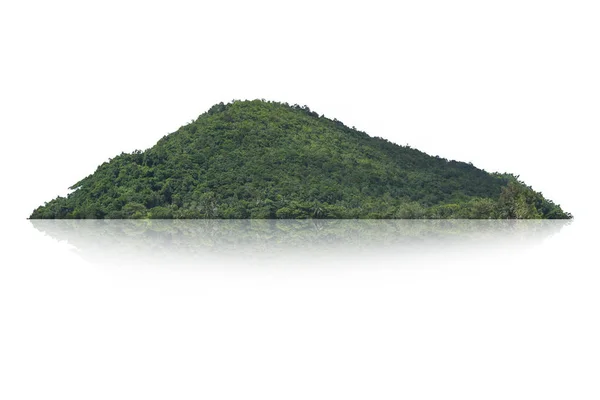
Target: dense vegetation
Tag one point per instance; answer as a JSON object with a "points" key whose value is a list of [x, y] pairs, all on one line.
{"points": [[258, 159]]}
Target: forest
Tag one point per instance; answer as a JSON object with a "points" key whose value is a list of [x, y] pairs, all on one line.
{"points": [[262, 159]]}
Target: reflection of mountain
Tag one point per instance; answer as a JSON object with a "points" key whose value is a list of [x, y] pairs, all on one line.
{"points": [[181, 241]]}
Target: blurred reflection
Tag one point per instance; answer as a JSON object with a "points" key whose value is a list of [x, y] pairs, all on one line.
{"points": [[199, 242]]}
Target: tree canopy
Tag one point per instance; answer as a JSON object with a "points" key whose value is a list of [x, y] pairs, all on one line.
{"points": [[260, 159]]}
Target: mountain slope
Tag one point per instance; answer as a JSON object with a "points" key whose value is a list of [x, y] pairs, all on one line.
{"points": [[257, 159]]}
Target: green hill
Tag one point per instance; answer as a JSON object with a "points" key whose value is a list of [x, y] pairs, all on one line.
{"points": [[258, 159]]}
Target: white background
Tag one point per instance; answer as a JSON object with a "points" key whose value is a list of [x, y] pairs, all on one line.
{"points": [[512, 86]]}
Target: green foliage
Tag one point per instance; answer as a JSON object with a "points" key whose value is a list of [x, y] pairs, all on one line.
{"points": [[258, 159]]}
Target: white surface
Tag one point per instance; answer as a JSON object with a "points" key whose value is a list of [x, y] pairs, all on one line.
{"points": [[505, 317]]}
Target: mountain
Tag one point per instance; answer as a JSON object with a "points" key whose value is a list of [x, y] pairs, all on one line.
{"points": [[259, 159]]}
